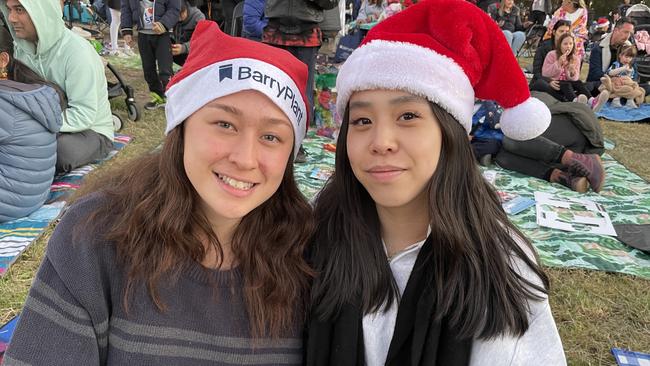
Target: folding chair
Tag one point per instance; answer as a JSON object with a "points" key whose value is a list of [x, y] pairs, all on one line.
{"points": [[533, 36], [237, 23]]}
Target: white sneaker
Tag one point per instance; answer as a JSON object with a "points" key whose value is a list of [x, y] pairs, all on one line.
{"points": [[616, 103], [581, 99]]}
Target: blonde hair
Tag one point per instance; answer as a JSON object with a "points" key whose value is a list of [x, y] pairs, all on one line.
{"points": [[502, 4]]}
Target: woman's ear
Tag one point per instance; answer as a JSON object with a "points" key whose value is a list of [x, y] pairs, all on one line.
{"points": [[4, 60]]}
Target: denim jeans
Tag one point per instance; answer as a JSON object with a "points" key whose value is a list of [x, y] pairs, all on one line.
{"points": [[515, 40]]}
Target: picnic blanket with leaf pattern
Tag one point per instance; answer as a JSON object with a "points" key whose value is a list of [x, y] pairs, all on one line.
{"points": [[626, 197], [17, 235]]}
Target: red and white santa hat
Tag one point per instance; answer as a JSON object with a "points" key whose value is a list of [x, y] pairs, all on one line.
{"points": [[220, 65], [448, 51]]}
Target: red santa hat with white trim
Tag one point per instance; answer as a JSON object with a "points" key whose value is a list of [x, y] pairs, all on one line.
{"points": [[220, 65], [448, 51]]}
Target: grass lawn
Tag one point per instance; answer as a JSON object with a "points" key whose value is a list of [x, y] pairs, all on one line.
{"points": [[594, 311]]}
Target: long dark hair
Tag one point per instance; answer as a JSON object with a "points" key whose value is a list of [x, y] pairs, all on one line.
{"points": [[557, 25], [18, 71], [475, 285], [158, 228]]}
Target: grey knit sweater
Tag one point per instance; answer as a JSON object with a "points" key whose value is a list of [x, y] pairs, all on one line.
{"points": [[73, 314]]}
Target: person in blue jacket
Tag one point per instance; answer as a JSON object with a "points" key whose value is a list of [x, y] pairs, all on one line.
{"points": [[31, 116], [254, 19]]}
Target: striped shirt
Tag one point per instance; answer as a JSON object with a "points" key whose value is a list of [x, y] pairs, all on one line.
{"points": [[74, 314]]}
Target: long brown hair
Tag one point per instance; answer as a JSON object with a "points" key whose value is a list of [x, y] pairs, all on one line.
{"points": [[558, 47], [475, 285], [158, 230], [18, 71]]}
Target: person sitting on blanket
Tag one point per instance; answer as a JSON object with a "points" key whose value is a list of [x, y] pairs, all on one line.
{"points": [[605, 52], [621, 79], [568, 152], [562, 66], [58, 55], [30, 117], [539, 82], [198, 249]]}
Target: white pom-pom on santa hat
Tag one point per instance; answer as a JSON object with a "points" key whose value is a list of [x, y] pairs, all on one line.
{"points": [[448, 51]]}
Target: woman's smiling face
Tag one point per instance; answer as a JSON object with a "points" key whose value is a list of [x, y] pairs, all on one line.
{"points": [[236, 152]]}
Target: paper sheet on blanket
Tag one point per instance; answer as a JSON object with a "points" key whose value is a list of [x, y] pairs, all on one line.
{"points": [[572, 214]]}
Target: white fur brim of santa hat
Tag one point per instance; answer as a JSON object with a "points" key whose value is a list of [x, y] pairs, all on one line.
{"points": [[219, 65], [449, 60]]}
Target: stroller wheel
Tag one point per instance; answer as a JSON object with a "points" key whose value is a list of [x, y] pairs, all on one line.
{"points": [[117, 122], [134, 114]]}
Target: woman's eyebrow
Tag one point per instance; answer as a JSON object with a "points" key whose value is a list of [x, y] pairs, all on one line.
{"points": [[359, 104], [407, 99]]}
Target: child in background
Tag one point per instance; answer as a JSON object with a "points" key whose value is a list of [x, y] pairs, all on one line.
{"points": [[155, 21], [563, 65], [370, 11], [621, 80], [189, 17]]}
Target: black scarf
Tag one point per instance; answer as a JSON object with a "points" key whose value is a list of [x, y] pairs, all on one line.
{"points": [[418, 340]]}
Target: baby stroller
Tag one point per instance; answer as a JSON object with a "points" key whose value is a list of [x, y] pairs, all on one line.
{"points": [[118, 89], [641, 14]]}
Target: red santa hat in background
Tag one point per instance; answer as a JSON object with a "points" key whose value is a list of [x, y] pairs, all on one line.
{"points": [[219, 65], [448, 51], [602, 22]]}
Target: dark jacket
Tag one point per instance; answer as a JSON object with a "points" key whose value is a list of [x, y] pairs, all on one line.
{"points": [[30, 118], [166, 12], [183, 30], [254, 19], [511, 21], [293, 12], [581, 116], [601, 58], [540, 55], [595, 64]]}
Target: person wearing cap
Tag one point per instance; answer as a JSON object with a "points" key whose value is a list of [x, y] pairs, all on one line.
{"points": [[192, 255], [416, 261]]}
